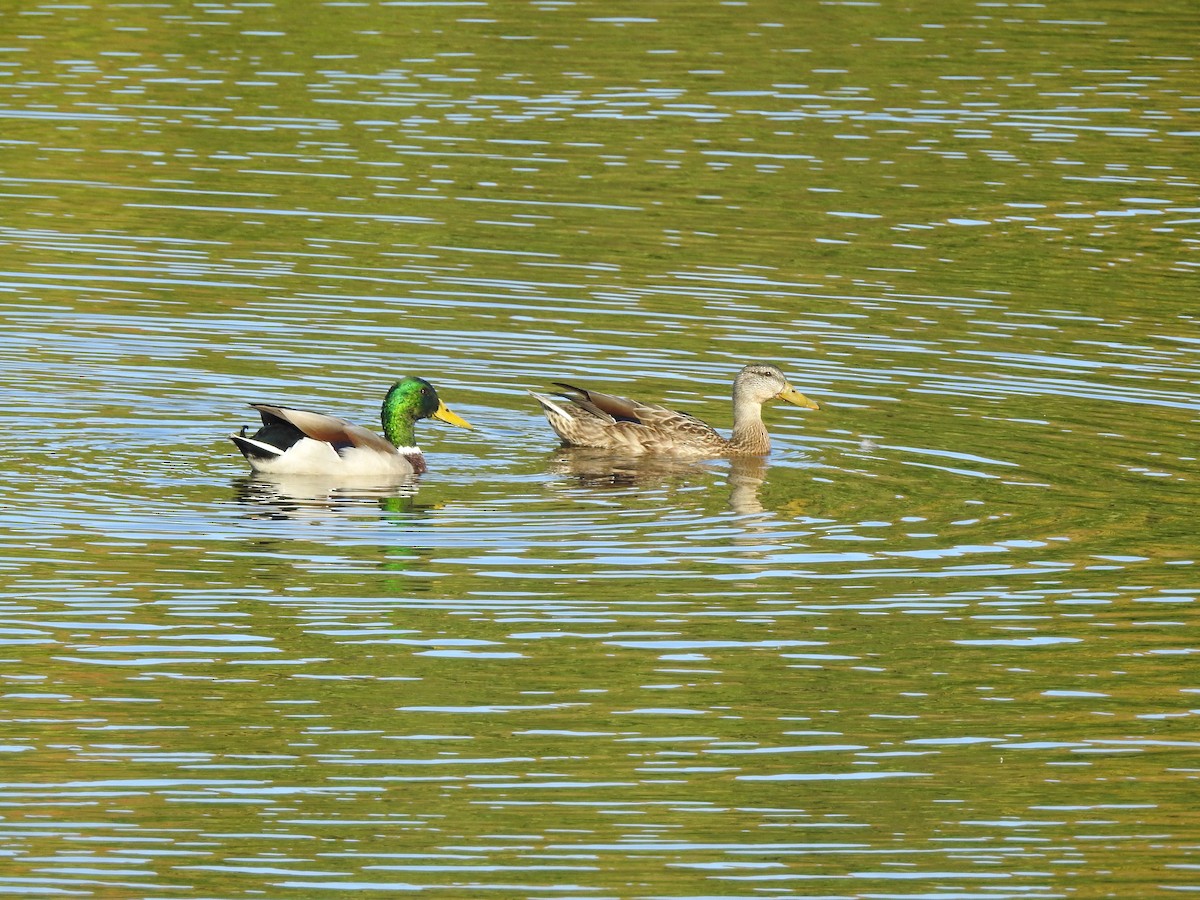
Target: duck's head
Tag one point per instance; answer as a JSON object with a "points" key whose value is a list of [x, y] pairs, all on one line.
{"points": [[413, 398], [763, 382]]}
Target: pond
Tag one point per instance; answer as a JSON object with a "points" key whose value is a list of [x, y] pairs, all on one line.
{"points": [[940, 643]]}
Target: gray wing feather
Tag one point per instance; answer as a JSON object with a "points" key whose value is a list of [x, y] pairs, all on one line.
{"points": [[330, 429]]}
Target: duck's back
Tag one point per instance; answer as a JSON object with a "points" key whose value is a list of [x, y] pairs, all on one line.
{"points": [[608, 422]]}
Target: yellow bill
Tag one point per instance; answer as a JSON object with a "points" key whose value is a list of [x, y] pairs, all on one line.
{"points": [[444, 414], [790, 395]]}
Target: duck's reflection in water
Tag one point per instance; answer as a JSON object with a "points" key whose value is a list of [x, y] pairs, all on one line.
{"points": [[291, 496], [746, 476], [600, 469]]}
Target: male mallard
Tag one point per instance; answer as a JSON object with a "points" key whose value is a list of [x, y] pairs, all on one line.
{"points": [[628, 426], [295, 442]]}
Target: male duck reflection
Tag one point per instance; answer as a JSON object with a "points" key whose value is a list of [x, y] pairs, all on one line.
{"points": [[296, 442], [613, 423]]}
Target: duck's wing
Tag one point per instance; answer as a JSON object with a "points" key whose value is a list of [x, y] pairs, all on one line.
{"points": [[607, 407], [595, 419], [328, 429], [651, 415]]}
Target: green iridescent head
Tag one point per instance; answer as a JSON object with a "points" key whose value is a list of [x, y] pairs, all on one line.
{"points": [[408, 400]]}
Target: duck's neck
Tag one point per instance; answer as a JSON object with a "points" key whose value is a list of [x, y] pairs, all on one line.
{"points": [[397, 427], [749, 433], [399, 422], [399, 430]]}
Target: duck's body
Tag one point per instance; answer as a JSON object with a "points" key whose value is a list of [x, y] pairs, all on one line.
{"points": [[618, 424], [298, 442]]}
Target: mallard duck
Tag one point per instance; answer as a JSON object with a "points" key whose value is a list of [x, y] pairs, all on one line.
{"points": [[296, 442], [613, 423]]}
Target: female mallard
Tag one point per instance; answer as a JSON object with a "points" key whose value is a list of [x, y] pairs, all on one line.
{"points": [[628, 426], [295, 442]]}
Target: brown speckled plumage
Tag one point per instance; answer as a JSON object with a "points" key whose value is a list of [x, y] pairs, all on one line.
{"points": [[606, 422]]}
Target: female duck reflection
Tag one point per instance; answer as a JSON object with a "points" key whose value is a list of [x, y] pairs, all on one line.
{"points": [[603, 469]]}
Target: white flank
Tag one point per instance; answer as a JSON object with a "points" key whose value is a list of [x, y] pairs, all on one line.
{"points": [[309, 457]]}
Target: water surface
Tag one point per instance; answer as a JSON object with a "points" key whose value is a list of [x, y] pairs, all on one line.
{"points": [[937, 645]]}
